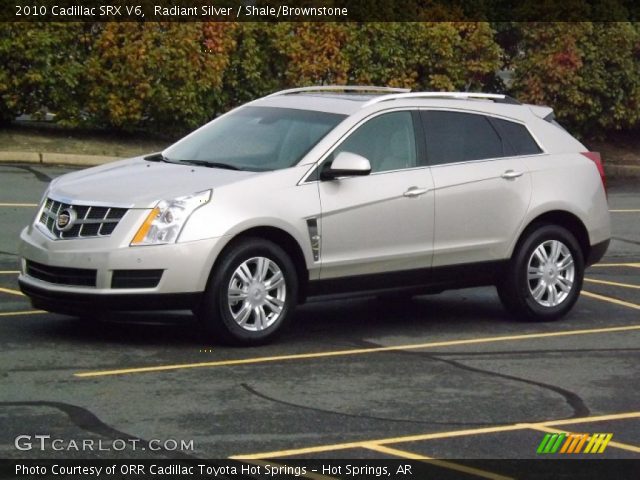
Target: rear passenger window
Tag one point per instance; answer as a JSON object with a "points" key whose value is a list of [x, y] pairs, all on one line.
{"points": [[518, 137], [459, 137]]}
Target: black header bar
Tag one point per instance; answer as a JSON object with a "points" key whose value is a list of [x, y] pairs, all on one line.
{"points": [[318, 11], [290, 469]]}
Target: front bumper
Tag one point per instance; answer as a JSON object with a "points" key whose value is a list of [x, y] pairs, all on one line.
{"points": [[185, 271], [77, 303]]}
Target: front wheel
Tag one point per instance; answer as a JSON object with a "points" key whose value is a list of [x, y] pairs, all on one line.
{"points": [[544, 277], [251, 293]]}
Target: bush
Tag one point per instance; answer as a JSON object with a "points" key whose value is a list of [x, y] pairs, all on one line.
{"points": [[158, 76], [254, 68], [589, 72], [424, 56], [313, 52], [171, 77], [43, 68]]}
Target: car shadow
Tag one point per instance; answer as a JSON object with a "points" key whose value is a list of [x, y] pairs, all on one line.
{"points": [[328, 321]]}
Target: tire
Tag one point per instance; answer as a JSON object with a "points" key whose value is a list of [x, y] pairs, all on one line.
{"points": [[256, 314], [553, 285]]}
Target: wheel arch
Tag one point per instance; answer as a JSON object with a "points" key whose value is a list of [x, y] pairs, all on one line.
{"points": [[284, 240], [564, 219]]}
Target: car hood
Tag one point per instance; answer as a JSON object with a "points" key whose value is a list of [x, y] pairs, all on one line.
{"points": [[138, 183]]}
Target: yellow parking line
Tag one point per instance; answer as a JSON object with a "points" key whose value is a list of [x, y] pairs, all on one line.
{"points": [[599, 418], [633, 265], [9, 272], [358, 351], [297, 451], [381, 441], [622, 303], [22, 312], [619, 445], [625, 210], [432, 436], [18, 204], [433, 461], [394, 451], [615, 284], [12, 292]]}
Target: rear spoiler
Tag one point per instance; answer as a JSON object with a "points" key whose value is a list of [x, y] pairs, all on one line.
{"points": [[546, 113]]}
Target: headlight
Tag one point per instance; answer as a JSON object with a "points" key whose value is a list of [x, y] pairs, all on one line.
{"points": [[164, 223]]}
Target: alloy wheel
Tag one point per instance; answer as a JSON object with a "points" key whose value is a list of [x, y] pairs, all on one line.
{"points": [[257, 293], [550, 273]]}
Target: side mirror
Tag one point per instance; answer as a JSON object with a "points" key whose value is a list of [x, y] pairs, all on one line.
{"points": [[346, 164]]}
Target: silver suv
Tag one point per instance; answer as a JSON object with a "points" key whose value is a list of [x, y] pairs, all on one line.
{"points": [[321, 190]]}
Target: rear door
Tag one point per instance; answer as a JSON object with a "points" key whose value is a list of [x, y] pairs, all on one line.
{"points": [[482, 188]]}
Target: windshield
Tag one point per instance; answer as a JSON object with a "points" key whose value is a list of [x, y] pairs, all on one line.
{"points": [[255, 138]]}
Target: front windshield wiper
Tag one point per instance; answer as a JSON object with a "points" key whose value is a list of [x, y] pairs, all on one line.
{"points": [[157, 157], [204, 163]]}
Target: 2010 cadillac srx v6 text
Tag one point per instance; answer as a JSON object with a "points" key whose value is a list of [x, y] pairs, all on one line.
{"points": [[324, 190]]}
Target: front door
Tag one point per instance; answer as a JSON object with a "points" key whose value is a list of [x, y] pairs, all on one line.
{"points": [[382, 222]]}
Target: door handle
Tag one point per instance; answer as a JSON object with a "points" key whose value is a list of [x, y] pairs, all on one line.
{"points": [[511, 174], [415, 192]]}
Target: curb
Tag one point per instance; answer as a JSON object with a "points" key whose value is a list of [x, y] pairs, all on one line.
{"points": [[622, 171], [47, 158]]}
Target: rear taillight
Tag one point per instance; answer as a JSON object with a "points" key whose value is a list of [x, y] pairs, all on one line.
{"points": [[595, 158]]}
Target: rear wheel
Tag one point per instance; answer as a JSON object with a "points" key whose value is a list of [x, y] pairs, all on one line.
{"points": [[544, 277], [251, 294]]}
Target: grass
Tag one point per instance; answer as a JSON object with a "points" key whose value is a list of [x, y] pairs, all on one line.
{"points": [[53, 140]]}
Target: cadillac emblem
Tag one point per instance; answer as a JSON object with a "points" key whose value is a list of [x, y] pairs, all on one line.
{"points": [[66, 219]]}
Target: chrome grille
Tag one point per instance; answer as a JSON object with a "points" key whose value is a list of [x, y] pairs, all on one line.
{"points": [[90, 221]]}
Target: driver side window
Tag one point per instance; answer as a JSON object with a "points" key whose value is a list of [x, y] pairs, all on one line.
{"points": [[387, 141]]}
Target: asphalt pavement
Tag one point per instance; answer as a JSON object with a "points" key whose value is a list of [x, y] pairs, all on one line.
{"points": [[445, 376]]}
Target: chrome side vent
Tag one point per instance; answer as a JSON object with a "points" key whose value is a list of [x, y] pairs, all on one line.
{"points": [[314, 237]]}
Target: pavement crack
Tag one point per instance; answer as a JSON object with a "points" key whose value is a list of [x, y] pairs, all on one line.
{"points": [[573, 400], [576, 403], [89, 422], [41, 177], [264, 396]]}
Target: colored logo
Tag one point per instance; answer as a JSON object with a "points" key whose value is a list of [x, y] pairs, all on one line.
{"points": [[66, 219], [574, 443]]}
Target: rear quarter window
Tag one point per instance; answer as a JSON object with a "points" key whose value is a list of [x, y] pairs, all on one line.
{"points": [[517, 136]]}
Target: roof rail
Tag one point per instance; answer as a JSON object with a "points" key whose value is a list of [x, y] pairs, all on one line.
{"points": [[498, 98], [341, 88]]}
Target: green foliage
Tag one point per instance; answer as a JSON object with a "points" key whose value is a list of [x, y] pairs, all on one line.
{"points": [[160, 76], [42, 68], [589, 72], [427, 56], [254, 68], [313, 52], [171, 77]]}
